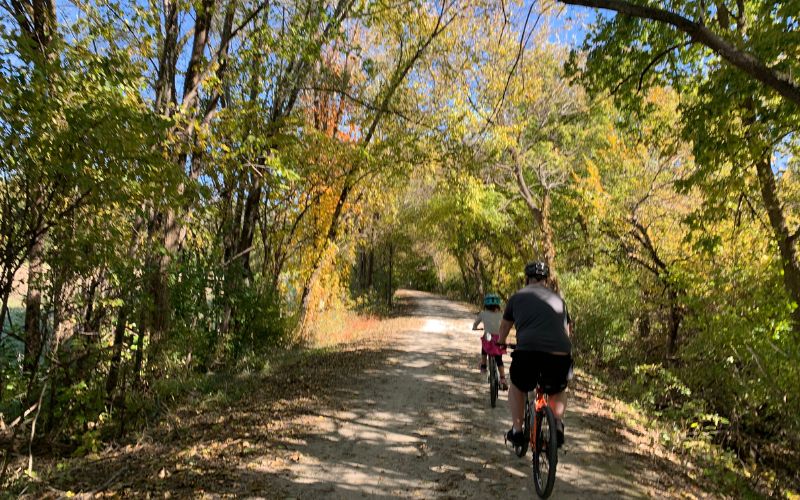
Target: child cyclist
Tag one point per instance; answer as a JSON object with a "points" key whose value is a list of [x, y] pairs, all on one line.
{"points": [[490, 316]]}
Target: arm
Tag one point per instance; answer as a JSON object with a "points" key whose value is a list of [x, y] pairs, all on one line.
{"points": [[477, 322], [505, 329], [507, 322], [570, 323]]}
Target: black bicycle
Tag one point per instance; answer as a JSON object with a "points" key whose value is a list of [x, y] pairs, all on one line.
{"points": [[494, 375]]}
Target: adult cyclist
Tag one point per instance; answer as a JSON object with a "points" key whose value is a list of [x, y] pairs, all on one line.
{"points": [[543, 354]]}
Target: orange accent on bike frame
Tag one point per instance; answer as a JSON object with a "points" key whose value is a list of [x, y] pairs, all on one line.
{"points": [[541, 402]]}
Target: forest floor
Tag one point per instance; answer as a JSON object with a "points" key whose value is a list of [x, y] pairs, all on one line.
{"points": [[402, 413]]}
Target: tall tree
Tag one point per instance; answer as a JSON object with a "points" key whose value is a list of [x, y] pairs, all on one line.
{"points": [[732, 64]]}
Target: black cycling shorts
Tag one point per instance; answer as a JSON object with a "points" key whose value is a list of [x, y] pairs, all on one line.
{"points": [[498, 359], [531, 368]]}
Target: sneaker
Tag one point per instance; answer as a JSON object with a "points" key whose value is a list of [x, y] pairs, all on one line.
{"points": [[515, 438], [559, 433]]}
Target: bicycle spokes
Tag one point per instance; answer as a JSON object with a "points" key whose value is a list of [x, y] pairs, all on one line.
{"points": [[545, 455]]}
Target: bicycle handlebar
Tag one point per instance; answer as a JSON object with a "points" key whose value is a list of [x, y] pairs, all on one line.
{"points": [[510, 346]]}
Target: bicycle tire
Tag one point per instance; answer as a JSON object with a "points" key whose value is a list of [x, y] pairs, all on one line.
{"points": [[545, 456], [526, 431], [494, 384]]}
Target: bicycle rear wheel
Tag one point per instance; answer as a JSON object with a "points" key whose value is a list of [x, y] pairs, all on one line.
{"points": [[526, 431], [545, 456], [494, 383]]}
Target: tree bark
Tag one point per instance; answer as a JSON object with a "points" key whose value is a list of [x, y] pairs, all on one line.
{"points": [[390, 290], [168, 60], [249, 228], [674, 323], [116, 353], [34, 334], [37, 20], [785, 240], [549, 243], [138, 359], [644, 325], [370, 267], [464, 279]]}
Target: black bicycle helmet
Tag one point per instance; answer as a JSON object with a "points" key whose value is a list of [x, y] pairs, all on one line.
{"points": [[538, 270]]}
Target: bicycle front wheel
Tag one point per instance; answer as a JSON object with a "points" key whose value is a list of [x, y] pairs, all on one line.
{"points": [[545, 456]]}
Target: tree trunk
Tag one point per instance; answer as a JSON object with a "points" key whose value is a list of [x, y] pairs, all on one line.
{"points": [[5, 295], [362, 270], [476, 270], [644, 325], [370, 267], [34, 334], [116, 353], [138, 359], [674, 323], [390, 291], [330, 238], [785, 241], [464, 279], [249, 223], [305, 303], [549, 244]]}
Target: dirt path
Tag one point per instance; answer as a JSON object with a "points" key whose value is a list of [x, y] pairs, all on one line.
{"points": [[421, 426], [400, 415]]}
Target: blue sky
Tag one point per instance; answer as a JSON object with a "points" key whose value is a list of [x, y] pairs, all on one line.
{"points": [[569, 24]]}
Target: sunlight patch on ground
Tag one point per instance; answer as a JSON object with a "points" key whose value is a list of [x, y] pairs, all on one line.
{"points": [[421, 363], [354, 477], [514, 472], [408, 450], [434, 326]]}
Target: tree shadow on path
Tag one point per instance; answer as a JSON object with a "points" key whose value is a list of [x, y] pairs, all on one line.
{"points": [[409, 419]]}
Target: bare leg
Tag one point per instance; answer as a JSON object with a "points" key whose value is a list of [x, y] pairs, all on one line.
{"points": [[503, 383], [516, 402], [558, 403]]}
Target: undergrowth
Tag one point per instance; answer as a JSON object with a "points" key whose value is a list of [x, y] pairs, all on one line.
{"points": [[686, 427]]}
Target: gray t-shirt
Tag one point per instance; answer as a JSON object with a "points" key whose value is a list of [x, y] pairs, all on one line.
{"points": [[490, 320], [540, 316]]}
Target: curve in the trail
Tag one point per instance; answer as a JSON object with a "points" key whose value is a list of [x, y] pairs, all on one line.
{"points": [[420, 426]]}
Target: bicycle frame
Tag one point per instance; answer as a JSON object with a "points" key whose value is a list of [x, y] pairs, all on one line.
{"points": [[539, 403]]}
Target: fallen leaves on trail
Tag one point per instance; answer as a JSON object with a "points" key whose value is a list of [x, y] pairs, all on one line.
{"points": [[220, 450]]}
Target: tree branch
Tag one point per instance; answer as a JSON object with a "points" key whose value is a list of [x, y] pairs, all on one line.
{"points": [[524, 190], [745, 61], [658, 57]]}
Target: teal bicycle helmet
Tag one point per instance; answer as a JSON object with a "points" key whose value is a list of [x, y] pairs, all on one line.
{"points": [[491, 299]]}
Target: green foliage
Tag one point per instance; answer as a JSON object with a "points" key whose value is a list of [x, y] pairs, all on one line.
{"points": [[327, 158], [603, 303]]}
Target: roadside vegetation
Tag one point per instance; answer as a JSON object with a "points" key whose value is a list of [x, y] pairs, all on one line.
{"points": [[187, 188]]}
